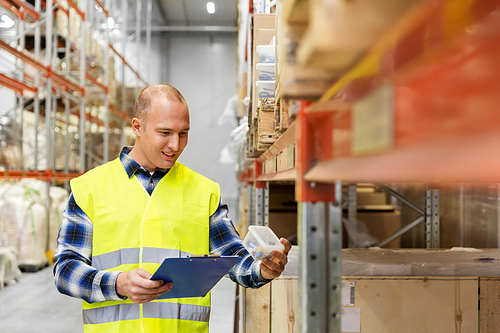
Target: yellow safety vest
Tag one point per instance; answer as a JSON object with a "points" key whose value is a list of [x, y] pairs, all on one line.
{"points": [[132, 229]]}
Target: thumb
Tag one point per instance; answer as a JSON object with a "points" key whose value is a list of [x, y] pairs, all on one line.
{"points": [[287, 244]]}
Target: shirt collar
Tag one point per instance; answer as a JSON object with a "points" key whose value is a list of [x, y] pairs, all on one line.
{"points": [[131, 166]]}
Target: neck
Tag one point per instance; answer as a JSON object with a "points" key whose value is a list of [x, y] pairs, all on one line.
{"points": [[139, 158]]}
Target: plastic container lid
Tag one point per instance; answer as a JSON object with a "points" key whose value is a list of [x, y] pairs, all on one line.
{"points": [[261, 241]]}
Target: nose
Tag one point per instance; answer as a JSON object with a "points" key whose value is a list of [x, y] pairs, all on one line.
{"points": [[173, 143]]}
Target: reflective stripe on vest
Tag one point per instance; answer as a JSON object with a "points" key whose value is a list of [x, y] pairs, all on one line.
{"points": [[131, 256], [161, 310]]}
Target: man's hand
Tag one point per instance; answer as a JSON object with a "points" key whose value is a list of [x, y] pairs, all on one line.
{"points": [[272, 268], [138, 287]]}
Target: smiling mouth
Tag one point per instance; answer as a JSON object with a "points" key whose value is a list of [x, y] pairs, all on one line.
{"points": [[168, 154]]}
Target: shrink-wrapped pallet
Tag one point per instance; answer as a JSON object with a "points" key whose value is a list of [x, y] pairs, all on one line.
{"points": [[25, 224], [61, 19], [59, 200], [9, 272], [10, 146]]}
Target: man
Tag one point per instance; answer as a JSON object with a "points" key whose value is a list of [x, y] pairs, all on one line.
{"points": [[126, 216]]}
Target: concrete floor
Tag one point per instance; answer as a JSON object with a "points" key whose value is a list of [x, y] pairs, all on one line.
{"points": [[33, 305]]}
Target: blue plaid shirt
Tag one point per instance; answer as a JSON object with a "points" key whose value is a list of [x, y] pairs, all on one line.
{"points": [[75, 277]]}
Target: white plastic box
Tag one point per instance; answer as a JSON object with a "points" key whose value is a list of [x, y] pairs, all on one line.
{"points": [[266, 89], [266, 71], [261, 241], [266, 53]]}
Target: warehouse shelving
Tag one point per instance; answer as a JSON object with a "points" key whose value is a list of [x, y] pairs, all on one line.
{"points": [[414, 101], [55, 57]]}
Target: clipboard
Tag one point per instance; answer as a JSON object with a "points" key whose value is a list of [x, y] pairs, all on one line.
{"points": [[193, 276]]}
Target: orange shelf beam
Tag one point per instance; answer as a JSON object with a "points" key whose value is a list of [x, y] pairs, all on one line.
{"points": [[15, 85], [59, 81], [126, 63], [27, 8], [75, 7], [47, 175]]}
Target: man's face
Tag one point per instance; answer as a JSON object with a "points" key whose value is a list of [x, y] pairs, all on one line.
{"points": [[165, 135]]}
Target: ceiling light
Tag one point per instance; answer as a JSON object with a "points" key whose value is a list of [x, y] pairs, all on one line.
{"points": [[111, 23], [7, 21], [210, 7]]}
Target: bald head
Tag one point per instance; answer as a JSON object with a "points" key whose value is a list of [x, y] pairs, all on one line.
{"points": [[148, 94]]}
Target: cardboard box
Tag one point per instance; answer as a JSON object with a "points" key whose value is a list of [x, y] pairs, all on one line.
{"points": [[380, 224], [374, 198], [284, 224]]}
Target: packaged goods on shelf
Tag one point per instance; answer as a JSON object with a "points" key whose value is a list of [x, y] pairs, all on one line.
{"points": [[60, 137], [10, 146], [341, 31], [75, 23], [114, 86], [130, 95], [61, 19], [266, 121], [263, 30], [23, 219], [266, 72], [295, 80]]}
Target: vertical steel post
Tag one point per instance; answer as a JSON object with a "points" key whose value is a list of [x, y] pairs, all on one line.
{"points": [[48, 108], [37, 83], [432, 222], [352, 210], [335, 260], [83, 30], [67, 100], [138, 40], [106, 85], [148, 39], [123, 87], [313, 266], [250, 202], [320, 227]]}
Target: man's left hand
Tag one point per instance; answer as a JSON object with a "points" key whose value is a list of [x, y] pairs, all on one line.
{"points": [[272, 268]]}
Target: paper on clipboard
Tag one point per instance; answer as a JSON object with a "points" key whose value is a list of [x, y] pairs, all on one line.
{"points": [[193, 276]]}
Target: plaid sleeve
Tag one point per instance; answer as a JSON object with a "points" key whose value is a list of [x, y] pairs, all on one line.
{"points": [[225, 241], [73, 274]]}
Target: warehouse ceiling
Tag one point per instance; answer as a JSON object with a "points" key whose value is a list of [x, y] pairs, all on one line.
{"points": [[194, 12], [192, 15]]}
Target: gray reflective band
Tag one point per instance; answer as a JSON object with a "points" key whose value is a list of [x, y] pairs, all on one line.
{"points": [[111, 313], [131, 256], [160, 310], [166, 310]]}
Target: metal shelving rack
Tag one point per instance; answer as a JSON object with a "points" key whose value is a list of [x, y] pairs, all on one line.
{"points": [[433, 77], [55, 85]]}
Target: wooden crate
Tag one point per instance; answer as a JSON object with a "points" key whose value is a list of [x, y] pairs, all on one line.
{"points": [[410, 304]]}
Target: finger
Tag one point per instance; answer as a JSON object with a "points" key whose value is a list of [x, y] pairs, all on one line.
{"points": [[287, 244], [280, 257], [273, 265], [272, 273]]}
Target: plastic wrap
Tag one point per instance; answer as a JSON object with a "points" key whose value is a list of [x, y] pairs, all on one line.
{"points": [[234, 151], [9, 272], [23, 219], [10, 146]]}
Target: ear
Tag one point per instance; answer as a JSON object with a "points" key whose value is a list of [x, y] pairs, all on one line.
{"points": [[136, 126]]}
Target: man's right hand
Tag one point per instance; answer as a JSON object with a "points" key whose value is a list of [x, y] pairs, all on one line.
{"points": [[137, 286]]}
